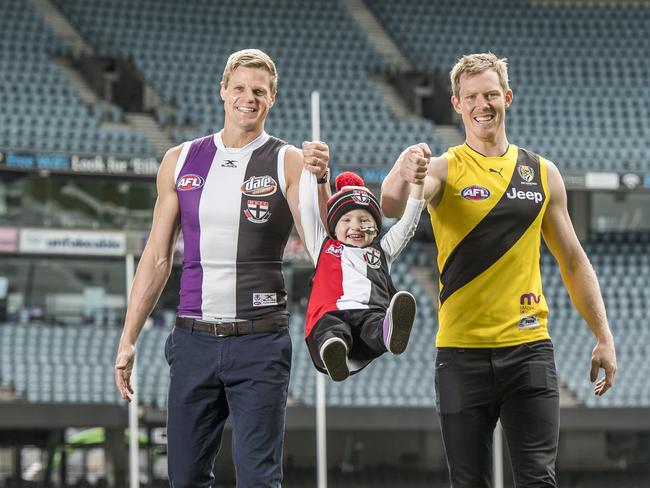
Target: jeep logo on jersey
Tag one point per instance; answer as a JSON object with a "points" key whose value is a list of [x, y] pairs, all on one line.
{"points": [[372, 257], [361, 197], [526, 172], [259, 186], [474, 192], [257, 211], [189, 182], [535, 196]]}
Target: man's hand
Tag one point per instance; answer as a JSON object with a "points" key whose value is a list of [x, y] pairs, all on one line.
{"points": [[123, 368], [603, 356], [414, 163], [315, 157]]}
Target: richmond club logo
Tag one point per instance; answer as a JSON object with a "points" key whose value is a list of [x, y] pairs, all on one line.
{"points": [[257, 211], [190, 182], [526, 172], [475, 192]]}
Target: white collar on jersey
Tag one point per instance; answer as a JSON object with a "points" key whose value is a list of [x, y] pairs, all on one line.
{"points": [[251, 146]]}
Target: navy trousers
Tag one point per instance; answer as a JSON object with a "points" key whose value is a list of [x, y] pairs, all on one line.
{"points": [[475, 388], [211, 378]]}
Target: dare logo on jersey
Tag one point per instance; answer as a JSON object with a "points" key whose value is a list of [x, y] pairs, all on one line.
{"points": [[190, 182], [475, 192], [259, 186]]}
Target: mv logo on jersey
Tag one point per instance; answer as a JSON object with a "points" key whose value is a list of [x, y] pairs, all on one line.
{"points": [[189, 182], [257, 211], [372, 257], [475, 192], [259, 186]]}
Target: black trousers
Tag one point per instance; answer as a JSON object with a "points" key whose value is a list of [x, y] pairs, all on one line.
{"points": [[475, 388], [360, 329]]}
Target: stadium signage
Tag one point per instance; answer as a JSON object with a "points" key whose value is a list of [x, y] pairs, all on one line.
{"points": [[71, 242], [82, 164], [8, 239]]}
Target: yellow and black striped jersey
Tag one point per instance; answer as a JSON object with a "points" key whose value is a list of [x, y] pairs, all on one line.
{"points": [[487, 228]]}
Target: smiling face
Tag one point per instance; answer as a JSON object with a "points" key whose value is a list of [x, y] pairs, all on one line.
{"points": [[247, 98], [349, 228], [482, 103]]}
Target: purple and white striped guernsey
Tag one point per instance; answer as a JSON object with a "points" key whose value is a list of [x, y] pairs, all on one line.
{"points": [[235, 222]]}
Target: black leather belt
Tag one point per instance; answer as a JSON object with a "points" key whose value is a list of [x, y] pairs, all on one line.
{"points": [[234, 328]]}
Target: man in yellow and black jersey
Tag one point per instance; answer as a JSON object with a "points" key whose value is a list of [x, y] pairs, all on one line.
{"points": [[490, 202]]}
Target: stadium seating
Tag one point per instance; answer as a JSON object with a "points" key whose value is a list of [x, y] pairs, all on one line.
{"points": [[184, 65], [566, 73], [50, 364], [622, 263], [40, 110]]}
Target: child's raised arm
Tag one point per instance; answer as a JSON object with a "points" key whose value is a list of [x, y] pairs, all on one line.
{"points": [[312, 226], [399, 234]]}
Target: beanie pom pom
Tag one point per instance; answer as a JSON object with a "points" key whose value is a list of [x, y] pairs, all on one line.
{"points": [[348, 178]]}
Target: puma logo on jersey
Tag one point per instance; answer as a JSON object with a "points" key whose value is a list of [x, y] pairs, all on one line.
{"points": [[189, 182], [535, 196], [259, 186]]}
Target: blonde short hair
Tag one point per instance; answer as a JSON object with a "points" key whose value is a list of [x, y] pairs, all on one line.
{"points": [[475, 64], [250, 58]]}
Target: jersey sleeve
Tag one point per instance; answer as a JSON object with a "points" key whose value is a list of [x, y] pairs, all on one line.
{"points": [[399, 234], [312, 226]]}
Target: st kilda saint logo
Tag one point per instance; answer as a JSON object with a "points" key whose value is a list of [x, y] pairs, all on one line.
{"points": [[257, 211], [361, 197], [372, 257], [189, 182]]}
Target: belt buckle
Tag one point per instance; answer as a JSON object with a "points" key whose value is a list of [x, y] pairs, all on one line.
{"points": [[228, 329]]}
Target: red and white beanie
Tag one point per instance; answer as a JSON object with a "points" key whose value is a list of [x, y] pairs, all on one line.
{"points": [[351, 193]]}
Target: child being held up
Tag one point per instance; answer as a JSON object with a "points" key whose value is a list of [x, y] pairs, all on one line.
{"points": [[355, 314]]}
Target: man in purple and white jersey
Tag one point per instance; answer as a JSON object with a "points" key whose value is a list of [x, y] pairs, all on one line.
{"points": [[234, 195]]}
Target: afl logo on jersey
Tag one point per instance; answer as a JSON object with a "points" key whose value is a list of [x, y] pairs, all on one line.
{"points": [[372, 257], [335, 250], [475, 192], [259, 186], [189, 182]]}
